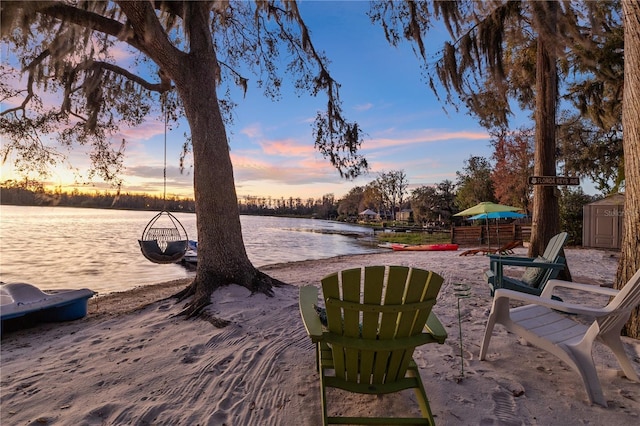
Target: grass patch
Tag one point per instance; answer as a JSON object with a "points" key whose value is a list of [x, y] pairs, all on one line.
{"points": [[414, 237]]}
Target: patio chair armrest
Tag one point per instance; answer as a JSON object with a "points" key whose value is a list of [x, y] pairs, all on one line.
{"points": [[495, 273], [496, 262], [307, 299], [499, 257], [553, 284], [435, 328], [513, 262], [489, 276], [569, 308]]}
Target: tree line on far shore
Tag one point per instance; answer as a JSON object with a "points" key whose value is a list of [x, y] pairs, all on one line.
{"points": [[33, 193], [387, 195]]}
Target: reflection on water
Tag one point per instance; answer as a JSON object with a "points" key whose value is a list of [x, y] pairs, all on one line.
{"points": [[61, 247]]}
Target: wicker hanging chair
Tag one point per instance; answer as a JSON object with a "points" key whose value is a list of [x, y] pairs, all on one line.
{"points": [[164, 240]]}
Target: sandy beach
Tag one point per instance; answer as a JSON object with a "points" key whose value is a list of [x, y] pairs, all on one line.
{"points": [[131, 362]]}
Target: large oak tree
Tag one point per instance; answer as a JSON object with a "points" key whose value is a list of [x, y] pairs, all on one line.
{"points": [[193, 48], [630, 254]]}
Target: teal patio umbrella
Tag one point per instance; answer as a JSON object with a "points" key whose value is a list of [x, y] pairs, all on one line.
{"points": [[497, 215]]}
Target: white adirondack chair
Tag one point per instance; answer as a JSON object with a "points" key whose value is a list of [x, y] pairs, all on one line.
{"points": [[539, 323]]}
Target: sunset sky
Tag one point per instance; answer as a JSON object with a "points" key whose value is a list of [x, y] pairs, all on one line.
{"points": [[382, 88]]}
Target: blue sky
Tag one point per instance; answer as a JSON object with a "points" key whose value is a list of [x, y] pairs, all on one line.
{"points": [[272, 144]]}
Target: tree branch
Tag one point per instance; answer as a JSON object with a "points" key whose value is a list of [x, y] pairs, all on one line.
{"points": [[163, 86], [87, 19], [135, 12], [149, 35], [30, 80], [99, 23]]}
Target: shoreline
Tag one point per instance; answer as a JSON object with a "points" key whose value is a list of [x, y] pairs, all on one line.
{"points": [[132, 361]]}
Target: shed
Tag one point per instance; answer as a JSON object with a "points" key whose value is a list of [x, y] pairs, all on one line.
{"points": [[602, 222]]}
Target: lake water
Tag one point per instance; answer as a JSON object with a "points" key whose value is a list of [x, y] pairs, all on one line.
{"points": [[62, 247]]}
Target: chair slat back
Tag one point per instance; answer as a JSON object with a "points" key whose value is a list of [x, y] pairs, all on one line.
{"points": [[549, 273], [381, 305], [622, 305], [552, 251], [551, 254], [374, 283]]}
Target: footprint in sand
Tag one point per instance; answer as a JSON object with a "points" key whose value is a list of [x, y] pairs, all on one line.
{"points": [[194, 354], [504, 410]]}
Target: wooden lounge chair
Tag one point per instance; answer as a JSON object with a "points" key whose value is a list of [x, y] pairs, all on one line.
{"points": [[472, 252], [504, 250], [376, 317], [541, 323], [537, 270], [508, 248]]}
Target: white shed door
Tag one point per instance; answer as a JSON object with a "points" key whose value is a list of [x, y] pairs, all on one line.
{"points": [[605, 227]]}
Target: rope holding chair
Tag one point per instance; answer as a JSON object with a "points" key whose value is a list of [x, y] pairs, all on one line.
{"points": [[164, 239]]}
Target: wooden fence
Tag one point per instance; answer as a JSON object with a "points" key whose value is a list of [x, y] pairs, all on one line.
{"points": [[494, 235], [466, 235]]}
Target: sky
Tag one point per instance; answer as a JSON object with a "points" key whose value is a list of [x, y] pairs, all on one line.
{"points": [[272, 147]]}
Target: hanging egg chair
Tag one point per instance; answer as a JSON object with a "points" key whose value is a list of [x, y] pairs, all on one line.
{"points": [[164, 239]]}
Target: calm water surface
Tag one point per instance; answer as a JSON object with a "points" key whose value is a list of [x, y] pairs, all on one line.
{"points": [[62, 247]]}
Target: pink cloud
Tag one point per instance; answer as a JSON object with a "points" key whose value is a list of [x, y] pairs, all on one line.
{"points": [[287, 147], [296, 172], [243, 161], [144, 131], [423, 136]]}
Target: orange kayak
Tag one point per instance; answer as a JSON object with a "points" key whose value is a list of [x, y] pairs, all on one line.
{"points": [[425, 247]]}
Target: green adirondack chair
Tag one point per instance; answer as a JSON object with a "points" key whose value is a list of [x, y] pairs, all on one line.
{"points": [[537, 271], [376, 316]]}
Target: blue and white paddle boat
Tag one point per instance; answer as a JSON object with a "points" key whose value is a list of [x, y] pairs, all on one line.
{"points": [[25, 303]]}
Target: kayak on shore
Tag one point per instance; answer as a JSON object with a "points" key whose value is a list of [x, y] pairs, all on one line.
{"points": [[388, 245], [425, 247]]}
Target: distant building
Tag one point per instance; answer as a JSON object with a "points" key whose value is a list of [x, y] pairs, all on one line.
{"points": [[602, 222], [405, 215]]}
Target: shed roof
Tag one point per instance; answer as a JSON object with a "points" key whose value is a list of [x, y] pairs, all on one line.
{"points": [[611, 200]]}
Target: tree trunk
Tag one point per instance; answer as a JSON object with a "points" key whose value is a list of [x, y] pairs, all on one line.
{"points": [[630, 253], [222, 258], [546, 209]]}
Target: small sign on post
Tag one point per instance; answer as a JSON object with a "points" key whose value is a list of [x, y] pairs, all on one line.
{"points": [[553, 180]]}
